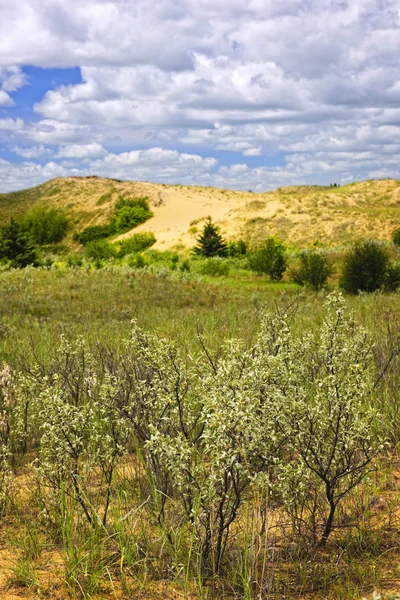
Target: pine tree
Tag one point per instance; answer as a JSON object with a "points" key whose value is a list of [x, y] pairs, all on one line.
{"points": [[211, 243], [16, 246]]}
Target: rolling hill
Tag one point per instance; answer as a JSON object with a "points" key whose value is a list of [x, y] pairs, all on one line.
{"points": [[298, 215]]}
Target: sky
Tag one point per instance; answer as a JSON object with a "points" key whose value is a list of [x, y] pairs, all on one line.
{"points": [[241, 94]]}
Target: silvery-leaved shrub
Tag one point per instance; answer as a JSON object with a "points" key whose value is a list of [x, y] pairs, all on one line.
{"points": [[334, 430], [7, 406], [208, 429], [80, 439]]}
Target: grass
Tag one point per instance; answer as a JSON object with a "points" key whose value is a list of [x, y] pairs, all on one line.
{"points": [[299, 215], [138, 558]]}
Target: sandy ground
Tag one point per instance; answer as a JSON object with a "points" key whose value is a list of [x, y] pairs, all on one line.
{"points": [[298, 215]]}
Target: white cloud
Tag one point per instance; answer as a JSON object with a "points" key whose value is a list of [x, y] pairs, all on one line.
{"points": [[5, 99], [315, 82], [82, 151], [31, 151]]}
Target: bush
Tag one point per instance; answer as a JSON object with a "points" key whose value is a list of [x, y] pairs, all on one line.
{"points": [[313, 271], [132, 203], [215, 267], [137, 262], [396, 236], [99, 250], [136, 243], [269, 259], [130, 217], [364, 268], [74, 261], [185, 266], [211, 243], [45, 225], [16, 246], [94, 232], [237, 249], [130, 213], [392, 278]]}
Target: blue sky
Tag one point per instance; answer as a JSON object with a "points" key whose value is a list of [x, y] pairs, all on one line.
{"points": [[250, 94]]}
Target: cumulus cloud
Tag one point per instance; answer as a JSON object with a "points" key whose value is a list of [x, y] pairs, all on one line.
{"points": [[314, 82], [82, 151], [31, 151]]}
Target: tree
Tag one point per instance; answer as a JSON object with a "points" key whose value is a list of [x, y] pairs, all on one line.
{"points": [[211, 243], [269, 259], [16, 246], [364, 267], [313, 271]]}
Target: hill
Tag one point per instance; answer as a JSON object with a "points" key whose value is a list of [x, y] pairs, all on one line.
{"points": [[298, 215]]}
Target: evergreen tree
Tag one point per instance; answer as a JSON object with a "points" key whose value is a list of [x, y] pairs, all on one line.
{"points": [[16, 246], [211, 243]]}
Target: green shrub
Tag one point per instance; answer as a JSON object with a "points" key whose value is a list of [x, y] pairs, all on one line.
{"points": [[45, 225], [131, 203], [99, 250], [130, 217], [237, 249], [392, 277], [185, 266], [16, 246], [313, 271], [130, 213], [94, 232], [215, 267], [269, 259], [136, 243], [396, 236], [74, 261], [137, 262], [364, 268]]}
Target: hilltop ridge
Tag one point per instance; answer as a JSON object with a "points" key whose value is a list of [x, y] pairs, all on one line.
{"points": [[299, 215]]}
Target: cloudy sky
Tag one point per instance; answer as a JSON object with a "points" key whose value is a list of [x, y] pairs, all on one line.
{"points": [[246, 94]]}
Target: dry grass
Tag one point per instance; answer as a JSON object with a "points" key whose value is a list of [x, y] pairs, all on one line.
{"points": [[298, 215]]}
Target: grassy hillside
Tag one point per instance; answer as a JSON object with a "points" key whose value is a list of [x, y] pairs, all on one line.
{"points": [[298, 215]]}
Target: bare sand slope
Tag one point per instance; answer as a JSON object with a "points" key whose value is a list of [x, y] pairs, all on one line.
{"points": [[298, 215]]}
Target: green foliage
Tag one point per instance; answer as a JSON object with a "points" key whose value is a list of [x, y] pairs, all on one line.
{"points": [[74, 261], [185, 266], [128, 213], [392, 277], [122, 203], [130, 217], [136, 243], [100, 250], [364, 267], [313, 271], [16, 246], [94, 232], [396, 236], [210, 243], [137, 262], [269, 259], [45, 225], [237, 248], [216, 267]]}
